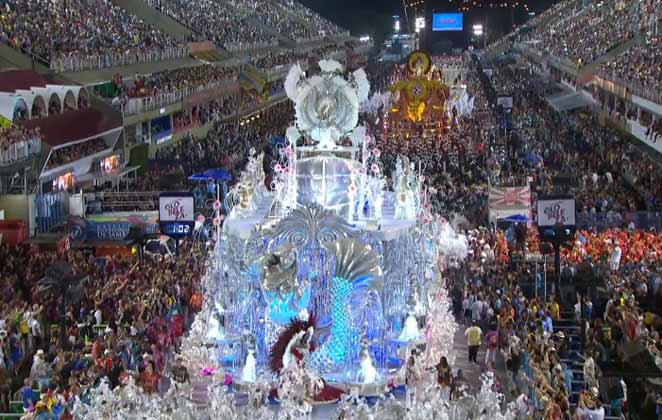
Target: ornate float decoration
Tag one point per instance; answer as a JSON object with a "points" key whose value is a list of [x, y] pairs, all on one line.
{"points": [[418, 102]]}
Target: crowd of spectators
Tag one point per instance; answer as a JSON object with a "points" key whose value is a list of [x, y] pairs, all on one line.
{"points": [[74, 152], [124, 319], [593, 31], [203, 114], [271, 60], [173, 80], [608, 172], [640, 66], [54, 30], [307, 15], [277, 19], [227, 143], [215, 21], [245, 24], [493, 291], [585, 33], [17, 142]]}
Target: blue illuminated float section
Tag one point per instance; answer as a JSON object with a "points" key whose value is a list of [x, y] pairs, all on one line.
{"points": [[447, 22]]}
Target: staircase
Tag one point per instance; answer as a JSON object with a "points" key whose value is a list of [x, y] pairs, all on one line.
{"points": [[11, 59], [574, 360], [154, 17], [588, 72]]}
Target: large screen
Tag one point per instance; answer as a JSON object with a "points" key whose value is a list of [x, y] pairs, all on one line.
{"points": [[176, 207], [447, 22], [553, 210]]}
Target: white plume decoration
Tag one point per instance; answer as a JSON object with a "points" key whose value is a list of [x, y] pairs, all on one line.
{"points": [[291, 84], [363, 85], [357, 136], [330, 66], [292, 134]]}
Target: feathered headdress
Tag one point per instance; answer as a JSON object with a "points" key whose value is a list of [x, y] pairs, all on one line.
{"points": [[295, 326]]}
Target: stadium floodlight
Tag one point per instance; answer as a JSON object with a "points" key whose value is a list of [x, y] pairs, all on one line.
{"points": [[364, 38], [420, 24], [478, 30]]}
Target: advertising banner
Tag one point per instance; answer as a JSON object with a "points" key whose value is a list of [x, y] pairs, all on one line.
{"points": [[176, 208], [556, 210], [447, 22]]}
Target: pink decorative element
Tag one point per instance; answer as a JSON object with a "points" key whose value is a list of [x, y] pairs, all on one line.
{"points": [[217, 204], [375, 168], [287, 151], [227, 380], [201, 218], [217, 221], [426, 220], [286, 170], [421, 178], [376, 153], [208, 371], [278, 168]]}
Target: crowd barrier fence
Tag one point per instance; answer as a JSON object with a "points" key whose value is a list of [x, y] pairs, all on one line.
{"points": [[77, 62], [20, 150]]}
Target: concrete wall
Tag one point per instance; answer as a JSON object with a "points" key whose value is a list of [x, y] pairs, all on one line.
{"points": [[15, 207]]}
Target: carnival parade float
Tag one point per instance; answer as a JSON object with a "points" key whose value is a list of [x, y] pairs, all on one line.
{"points": [[327, 267], [321, 286]]}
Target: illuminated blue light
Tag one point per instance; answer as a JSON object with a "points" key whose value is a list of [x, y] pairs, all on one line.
{"points": [[332, 355]]}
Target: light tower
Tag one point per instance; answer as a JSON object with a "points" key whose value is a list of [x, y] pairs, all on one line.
{"points": [[418, 9]]}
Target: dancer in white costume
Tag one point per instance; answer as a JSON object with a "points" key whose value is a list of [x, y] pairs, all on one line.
{"points": [[412, 376], [215, 325], [410, 332], [367, 374], [249, 372]]}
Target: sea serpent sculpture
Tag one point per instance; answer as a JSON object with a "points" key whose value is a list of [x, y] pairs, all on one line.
{"points": [[356, 271]]}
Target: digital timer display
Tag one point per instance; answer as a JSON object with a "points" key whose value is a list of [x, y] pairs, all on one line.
{"points": [[176, 229]]}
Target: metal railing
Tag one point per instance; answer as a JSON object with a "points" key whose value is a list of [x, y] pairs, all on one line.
{"points": [[602, 221], [246, 46], [636, 88], [99, 61], [19, 151], [140, 105], [97, 203], [52, 209]]}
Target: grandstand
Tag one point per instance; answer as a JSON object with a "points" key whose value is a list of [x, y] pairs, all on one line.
{"points": [[603, 55]]}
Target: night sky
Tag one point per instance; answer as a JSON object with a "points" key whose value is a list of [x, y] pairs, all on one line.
{"points": [[374, 17]]}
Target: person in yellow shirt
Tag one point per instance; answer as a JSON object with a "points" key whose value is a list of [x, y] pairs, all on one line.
{"points": [[473, 334], [555, 310]]}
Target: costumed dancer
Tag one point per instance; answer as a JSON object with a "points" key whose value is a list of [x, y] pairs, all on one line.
{"points": [[249, 372], [412, 376], [367, 374]]}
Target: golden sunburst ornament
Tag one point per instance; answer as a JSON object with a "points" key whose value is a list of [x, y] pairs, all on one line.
{"points": [[418, 63]]}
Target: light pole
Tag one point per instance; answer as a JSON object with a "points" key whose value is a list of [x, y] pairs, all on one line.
{"points": [[420, 26], [478, 32]]}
